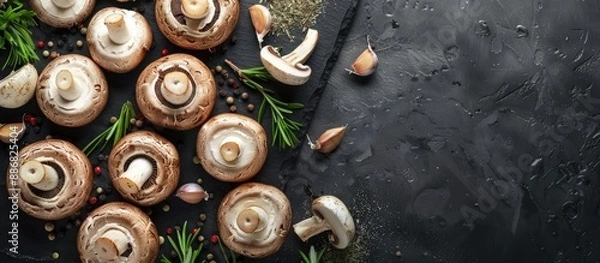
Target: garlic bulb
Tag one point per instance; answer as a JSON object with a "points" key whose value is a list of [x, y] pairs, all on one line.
{"points": [[192, 193], [12, 132], [366, 63], [328, 141]]}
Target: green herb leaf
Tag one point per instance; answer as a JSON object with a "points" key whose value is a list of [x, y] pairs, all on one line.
{"points": [[15, 22], [115, 132], [283, 129]]}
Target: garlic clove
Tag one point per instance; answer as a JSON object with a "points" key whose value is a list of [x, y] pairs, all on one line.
{"points": [[261, 21], [366, 63], [12, 132], [328, 141], [192, 193]]}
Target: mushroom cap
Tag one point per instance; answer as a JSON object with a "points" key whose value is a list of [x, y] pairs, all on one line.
{"points": [[132, 221], [231, 127], [55, 16], [160, 152], [332, 210], [265, 242], [74, 186], [87, 76], [158, 110], [171, 23], [119, 58], [18, 87]]}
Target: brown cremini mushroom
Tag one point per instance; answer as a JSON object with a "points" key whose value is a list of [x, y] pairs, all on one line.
{"points": [[329, 214], [118, 232], [176, 91], [254, 219], [197, 24], [232, 147], [62, 13], [72, 91], [52, 180], [118, 39], [144, 167]]}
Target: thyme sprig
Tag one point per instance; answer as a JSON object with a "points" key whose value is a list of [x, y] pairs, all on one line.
{"points": [[116, 131], [227, 255], [15, 22], [283, 129], [183, 247]]}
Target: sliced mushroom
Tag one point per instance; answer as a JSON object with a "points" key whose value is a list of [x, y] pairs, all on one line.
{"points": [[144, 167], [62, 13], [18, 87], [118, 232], [197, 24], [118, 39], [72, 90], [289, 69], [232, 147], [329, 214], [254, 219], [52, 181], [176, 91]]}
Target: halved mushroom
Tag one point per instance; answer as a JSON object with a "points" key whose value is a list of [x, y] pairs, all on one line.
{"points": [[72, 90], [232, 147], [118, 232], [52, 181], [289, 69], [144, 167], [18, 87], [254, 219], [118, 39], [197, 24], [176, 91], [62, 13], [329, 213]]}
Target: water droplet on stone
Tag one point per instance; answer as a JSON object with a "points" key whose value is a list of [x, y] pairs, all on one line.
{"points": [[389, 7], [451, 53], [522, 31], [482, 29], [570, 210]]}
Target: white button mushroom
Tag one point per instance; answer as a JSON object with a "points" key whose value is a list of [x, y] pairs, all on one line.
{"points": [[289, 69], [72, 90], [62, 13], [197, 24], [118, 39], [54, 179], [113, 230], [176, 91], [253, 219], [232, 147], [144, 167], [329, 214], [18, 87]]}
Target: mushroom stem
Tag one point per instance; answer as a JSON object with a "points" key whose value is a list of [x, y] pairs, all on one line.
{"points": [[194, 12], [252, 219], [64, 4], [310, 227], [64, 83], [304, 50], [176, 87], [117, 28], [138, 172], [111, 245], [38, 175], [230, 151]]}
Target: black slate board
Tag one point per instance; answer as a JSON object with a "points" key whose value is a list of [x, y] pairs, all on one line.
{"points": [[332, 25], [469, 144]]}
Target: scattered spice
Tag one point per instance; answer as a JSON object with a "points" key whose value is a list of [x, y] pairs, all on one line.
{"points": [[45, 53], [218, 68], [214, 239], [230, 100], [97, 170], [293, 14], [250, 107], [245, 95], [232, 108], [164, 52], [83, 30], [79, 43], [50, 44], [49, 227], [55, 255]]}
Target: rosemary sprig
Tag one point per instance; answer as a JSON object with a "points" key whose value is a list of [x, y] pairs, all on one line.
{"points": [[283, 129], [116, 131], [185, 252], [225, 255], [313, 256], [15, 22]]}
